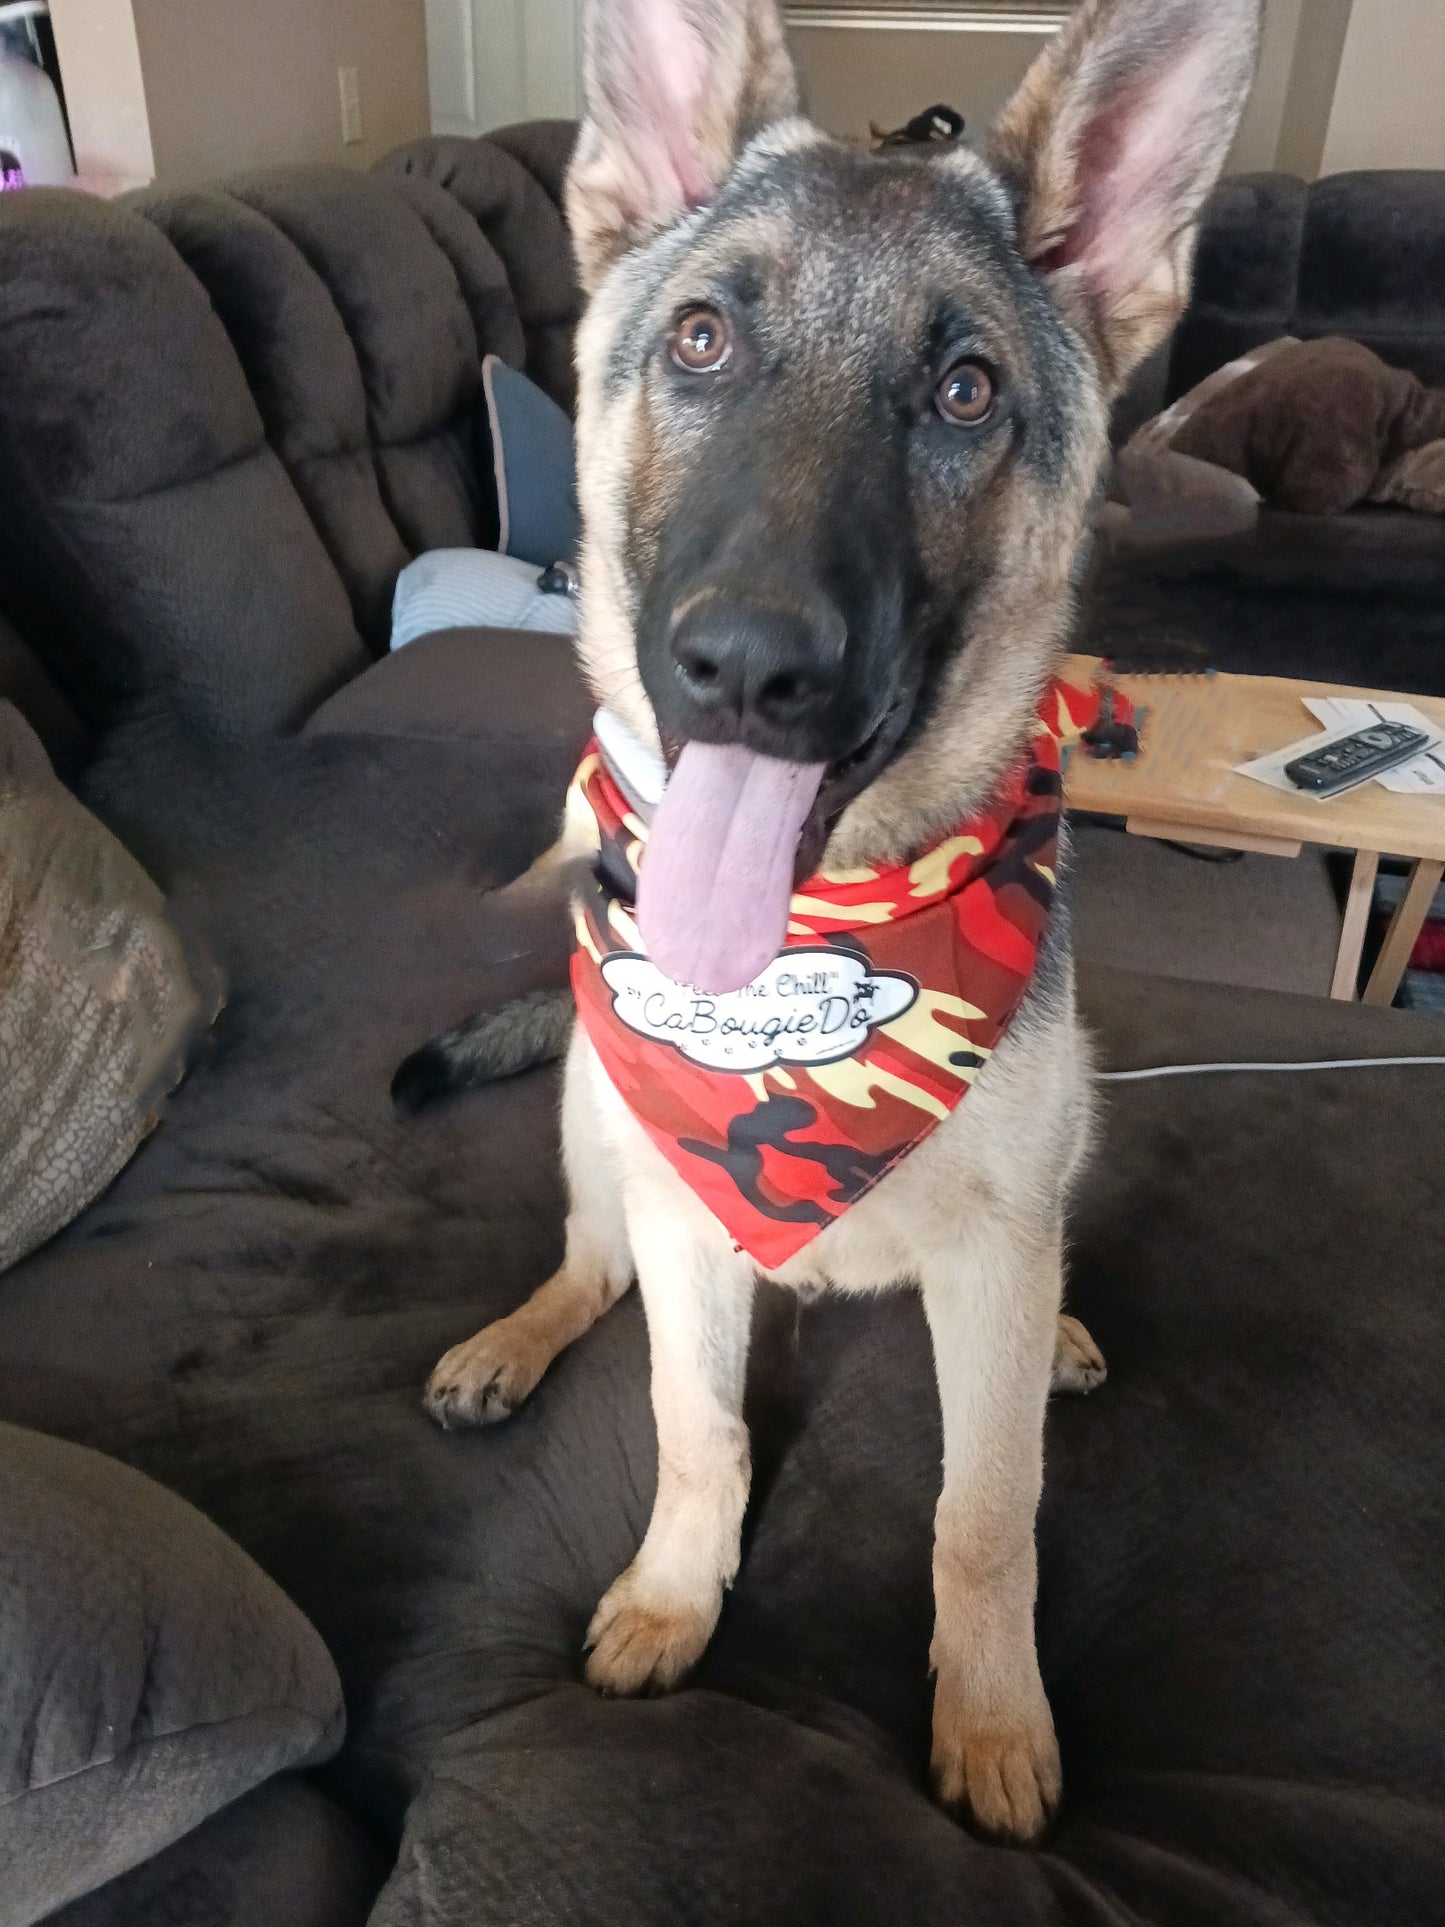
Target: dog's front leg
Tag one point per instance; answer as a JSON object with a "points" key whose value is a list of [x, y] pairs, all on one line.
{"points": [[992, 1309], [486, 1378], [654, 1623]]}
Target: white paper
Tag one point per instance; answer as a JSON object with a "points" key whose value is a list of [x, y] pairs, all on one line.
{"points": [[1342, 716]]}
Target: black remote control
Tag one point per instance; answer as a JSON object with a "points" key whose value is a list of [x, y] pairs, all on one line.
{"points": [[1355, 759]]}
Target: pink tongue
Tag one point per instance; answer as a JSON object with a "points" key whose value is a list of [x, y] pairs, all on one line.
{"points": [[713, 888]]}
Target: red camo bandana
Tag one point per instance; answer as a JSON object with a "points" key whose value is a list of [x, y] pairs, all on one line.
{"points": [[783, 1103]]}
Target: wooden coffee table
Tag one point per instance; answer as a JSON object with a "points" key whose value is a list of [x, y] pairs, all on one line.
{"points": [[1182, 787]]}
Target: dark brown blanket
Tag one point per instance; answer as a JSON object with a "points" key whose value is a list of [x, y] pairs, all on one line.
{"points": [[1319, 427]]}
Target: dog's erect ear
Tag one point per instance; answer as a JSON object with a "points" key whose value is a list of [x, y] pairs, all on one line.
{"points": [[674, 88], [1110, 146]]}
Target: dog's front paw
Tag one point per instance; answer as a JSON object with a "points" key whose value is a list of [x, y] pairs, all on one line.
{"points": [[1078, 1363], [642, 1640], [484, 1380], [1005, 1778]]}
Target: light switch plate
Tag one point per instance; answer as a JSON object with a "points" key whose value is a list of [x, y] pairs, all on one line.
{"points": [[349, 80]]}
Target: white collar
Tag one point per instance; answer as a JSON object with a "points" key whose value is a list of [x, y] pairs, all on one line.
{"points": [[639, 772]]}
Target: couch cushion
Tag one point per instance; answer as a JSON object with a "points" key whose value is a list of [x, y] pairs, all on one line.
{"points": [[1372, 261], [143, 505], [462, 684], [1240, 1617], [152, 1673], [1230, 1509], [1353, 598], [230, 416], [510, 186], [1354, 254], [1245, 274], [359, 308], [99, 1003], [283, 1856], [278, 257]]}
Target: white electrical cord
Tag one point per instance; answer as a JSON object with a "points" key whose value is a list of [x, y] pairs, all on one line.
{"points": [[1318, 1064]]}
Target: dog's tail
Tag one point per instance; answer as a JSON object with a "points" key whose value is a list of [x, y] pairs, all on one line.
{"points": [[530, 1030]]}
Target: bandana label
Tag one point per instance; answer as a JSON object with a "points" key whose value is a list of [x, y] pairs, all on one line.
{"points": [[780, 1105], [807, 1007]]}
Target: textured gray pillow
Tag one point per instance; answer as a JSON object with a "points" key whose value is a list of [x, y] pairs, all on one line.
{"points": [[149, 1673], [98, 1002]]}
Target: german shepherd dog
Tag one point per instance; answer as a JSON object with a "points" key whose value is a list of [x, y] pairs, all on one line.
{"points": [[840, 421]]}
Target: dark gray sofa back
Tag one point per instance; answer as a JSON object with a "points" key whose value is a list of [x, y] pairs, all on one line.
{"points": [[229, 416], [518, 210], [1354, 254]]}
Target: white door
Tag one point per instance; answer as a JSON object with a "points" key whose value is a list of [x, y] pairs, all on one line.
{"points": [[492, 62]]}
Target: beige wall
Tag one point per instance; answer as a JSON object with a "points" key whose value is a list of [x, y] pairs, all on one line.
{"points": [[852, 75], [1256, 145], [1389, 102], [191, 89], [1321, 40], [104, 92], [253, 83]]}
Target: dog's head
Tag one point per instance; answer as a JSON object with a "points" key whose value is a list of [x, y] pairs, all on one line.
{"points": [[841, 416]]}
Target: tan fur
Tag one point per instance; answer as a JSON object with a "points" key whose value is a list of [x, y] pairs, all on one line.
{"points": [[973, 1218]]}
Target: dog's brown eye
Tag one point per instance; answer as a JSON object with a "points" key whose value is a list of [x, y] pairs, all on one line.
{"points": [[965, 395], [700, 342]]}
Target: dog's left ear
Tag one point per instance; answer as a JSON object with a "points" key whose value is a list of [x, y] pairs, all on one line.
{"points": [[674, 89], [1109, 148]]}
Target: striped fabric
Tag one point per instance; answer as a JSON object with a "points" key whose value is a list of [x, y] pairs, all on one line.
{"points": [[474, 589]]}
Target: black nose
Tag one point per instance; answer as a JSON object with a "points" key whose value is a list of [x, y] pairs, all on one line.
{"points": [[777, 662]]}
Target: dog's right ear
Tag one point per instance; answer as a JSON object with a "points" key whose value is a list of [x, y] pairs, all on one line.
{"points": [[674, 89]]}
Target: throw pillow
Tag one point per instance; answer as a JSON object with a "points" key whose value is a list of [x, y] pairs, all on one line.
{"points": [[1316, 426], [535, 464], [1169, 497], [152, 1674], [475, 589], [98, 1000]]}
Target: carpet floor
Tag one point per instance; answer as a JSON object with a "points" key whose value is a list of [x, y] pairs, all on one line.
{"points": [[1268, 922]]}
